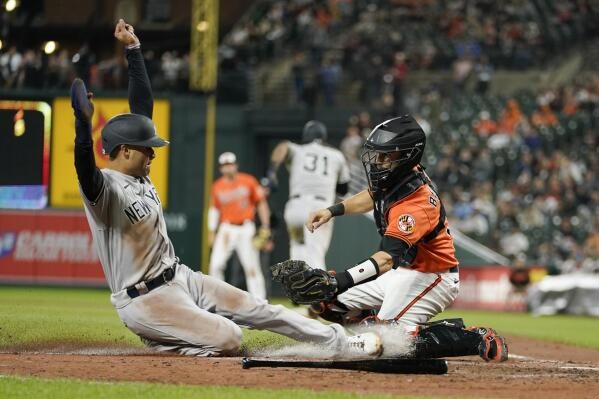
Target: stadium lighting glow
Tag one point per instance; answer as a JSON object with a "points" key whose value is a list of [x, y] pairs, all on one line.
{"points": [[202, 26], [19, 128], [50, 47], [11, 5]]}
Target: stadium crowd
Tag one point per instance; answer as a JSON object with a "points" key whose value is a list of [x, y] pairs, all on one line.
{"points": [[33, 68], [373, 43], [515, 34], [377, 43], [519, 174]]}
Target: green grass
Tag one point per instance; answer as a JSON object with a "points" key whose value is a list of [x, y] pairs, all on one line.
{"points": [[17, 387], [33, 316]]}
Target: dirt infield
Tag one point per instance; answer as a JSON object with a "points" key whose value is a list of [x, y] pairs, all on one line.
{"points": [[535, 370]]}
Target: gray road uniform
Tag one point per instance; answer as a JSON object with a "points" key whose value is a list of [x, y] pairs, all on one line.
{"points": [[315, 170], [171, 307]]}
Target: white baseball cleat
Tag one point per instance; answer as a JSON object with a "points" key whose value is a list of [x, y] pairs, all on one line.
{"points": [[365, 344]]}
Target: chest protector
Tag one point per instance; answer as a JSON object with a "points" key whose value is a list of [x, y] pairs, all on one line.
{"points": [[411, 183]]}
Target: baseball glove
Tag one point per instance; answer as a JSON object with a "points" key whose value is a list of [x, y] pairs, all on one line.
{"points": [[261, 239], [303, 284]]}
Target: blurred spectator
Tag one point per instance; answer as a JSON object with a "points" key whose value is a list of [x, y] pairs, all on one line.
{"points": [[10, 64], [351, 145], [510, 118], [330, 77], [170, 67], [83, 60], [530, 137], [543, 116], [399, 72], [462, 68], [513, 242], [591, 251], [484, 73], [485, 126], [298, 71], [364, 123], [31, 73]]}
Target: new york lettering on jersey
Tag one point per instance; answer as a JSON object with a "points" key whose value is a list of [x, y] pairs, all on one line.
{"points": [[128, 215], [142, 204]]}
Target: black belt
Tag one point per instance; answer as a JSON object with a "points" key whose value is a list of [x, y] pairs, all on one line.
{"points": [[318, 197], [454, 269], [146, 286]]}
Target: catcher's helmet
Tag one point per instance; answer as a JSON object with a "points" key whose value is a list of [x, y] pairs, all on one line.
{"points": [[314, 130], [391, 151], [132, 129]]}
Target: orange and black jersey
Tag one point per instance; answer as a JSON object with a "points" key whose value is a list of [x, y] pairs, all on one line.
{"points": [[415, 231]]}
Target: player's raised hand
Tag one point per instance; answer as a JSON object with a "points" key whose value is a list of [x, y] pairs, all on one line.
{"points": [[125, 33], [317, 219]]}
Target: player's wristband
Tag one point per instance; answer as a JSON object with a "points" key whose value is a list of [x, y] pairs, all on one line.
{"points": [[337, 209], [361, 273], [133, 46]]}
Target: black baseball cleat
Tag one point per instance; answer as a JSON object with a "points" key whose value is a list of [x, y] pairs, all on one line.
{"points": [[80, 101], [493, 347]]}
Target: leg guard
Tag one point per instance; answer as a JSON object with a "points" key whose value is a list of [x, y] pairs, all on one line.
{"points": [[446, 338]]}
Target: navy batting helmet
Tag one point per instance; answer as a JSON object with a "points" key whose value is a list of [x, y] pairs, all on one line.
{"points": [[314, 130], [132, 129], [391, 151]]}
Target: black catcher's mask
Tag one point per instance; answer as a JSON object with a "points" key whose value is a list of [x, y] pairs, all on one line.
{"points": [[391, 151]]}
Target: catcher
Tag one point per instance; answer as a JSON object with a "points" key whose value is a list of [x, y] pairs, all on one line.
{"points": [[414, 275]]}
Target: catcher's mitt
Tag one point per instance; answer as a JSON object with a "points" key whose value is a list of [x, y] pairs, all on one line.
{"points": [[303, 284]]}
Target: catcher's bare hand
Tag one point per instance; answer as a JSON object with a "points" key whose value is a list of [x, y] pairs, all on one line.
{"points": [[303, 284], [317, 219], [125, 33]]}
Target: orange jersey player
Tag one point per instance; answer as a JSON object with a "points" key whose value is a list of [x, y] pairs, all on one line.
{"points": [[235, 198], [414, 275], [412, 221]]}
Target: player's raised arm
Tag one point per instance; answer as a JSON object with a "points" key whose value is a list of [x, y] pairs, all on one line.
{"points": [[89, 176], [141, 100], [278, 156]]}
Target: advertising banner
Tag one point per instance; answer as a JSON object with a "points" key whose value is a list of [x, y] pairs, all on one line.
{"points": [[489, 287], [54, 247], [64, 190], [24, 154]]}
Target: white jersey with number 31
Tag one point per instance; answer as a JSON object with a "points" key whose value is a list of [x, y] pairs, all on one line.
{"points": [[316, 169]]}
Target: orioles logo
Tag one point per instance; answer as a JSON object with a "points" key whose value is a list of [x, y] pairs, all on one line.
{"points": [[406, 223]]}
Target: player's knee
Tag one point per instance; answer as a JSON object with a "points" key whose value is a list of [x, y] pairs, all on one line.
{"points": [[228, 342]]}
